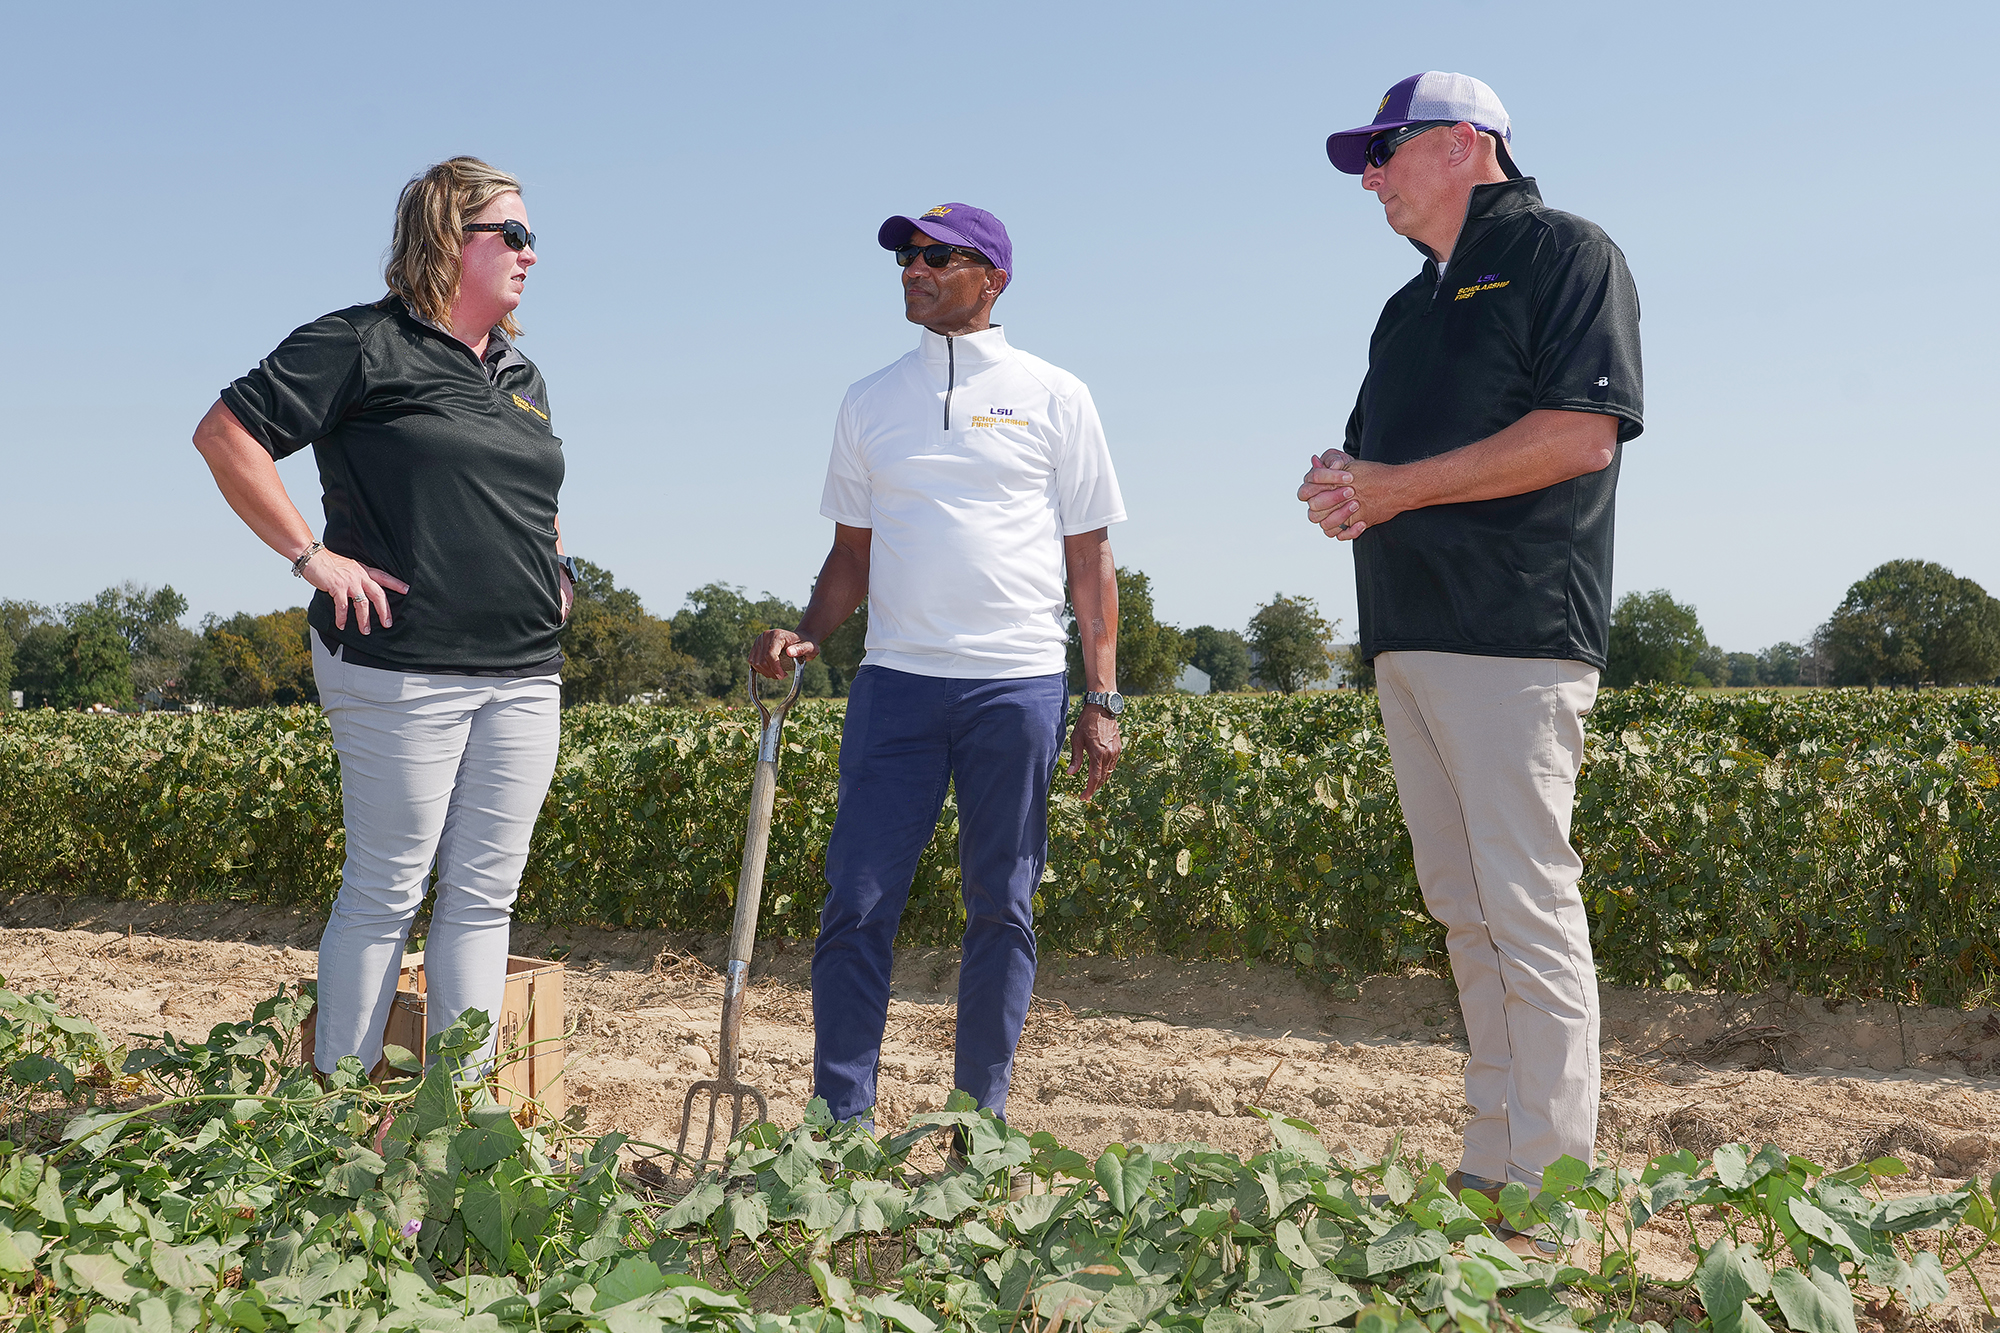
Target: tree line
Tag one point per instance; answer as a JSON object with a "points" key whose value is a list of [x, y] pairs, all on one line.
{"points": [[128, 648], [1908, 622], [1287, 646]]}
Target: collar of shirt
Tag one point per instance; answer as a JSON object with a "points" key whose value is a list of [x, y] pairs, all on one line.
{"points": [[985, 347], [1487, 205], [500, 350]]}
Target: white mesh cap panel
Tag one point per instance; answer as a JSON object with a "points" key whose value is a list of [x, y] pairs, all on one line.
{"points": [[1440, 96]]}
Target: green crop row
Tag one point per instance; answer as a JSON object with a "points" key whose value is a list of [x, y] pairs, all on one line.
{"points": [[1843, 842], [216, 1186]]}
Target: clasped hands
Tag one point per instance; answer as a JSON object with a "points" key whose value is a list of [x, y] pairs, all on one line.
{"points": [[1345, 496]]}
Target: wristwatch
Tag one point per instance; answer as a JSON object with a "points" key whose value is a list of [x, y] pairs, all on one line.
{"points": [[1111, 701]]}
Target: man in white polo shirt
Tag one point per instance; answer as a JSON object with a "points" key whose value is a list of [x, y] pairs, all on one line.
{"points": [[966, 479]]}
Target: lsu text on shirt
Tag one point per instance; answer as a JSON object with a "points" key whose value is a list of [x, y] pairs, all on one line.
{"points": [[969, 461]]}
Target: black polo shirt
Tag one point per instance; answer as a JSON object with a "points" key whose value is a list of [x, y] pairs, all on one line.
{"points": [[1536, 310], [437, 467]]}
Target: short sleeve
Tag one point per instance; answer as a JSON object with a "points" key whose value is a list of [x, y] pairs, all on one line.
{"points": [[1586, 337], [1087, 496], [302, 390], [846, 498], [1350, 441]]}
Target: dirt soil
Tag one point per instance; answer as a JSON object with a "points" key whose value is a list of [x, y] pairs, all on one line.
{"points": [[1141, 1049]]}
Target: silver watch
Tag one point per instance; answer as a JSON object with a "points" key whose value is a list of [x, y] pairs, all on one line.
{"points": [[1111, 701]]}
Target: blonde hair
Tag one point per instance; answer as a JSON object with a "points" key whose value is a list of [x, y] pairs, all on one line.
{"points": [[424, 257]]}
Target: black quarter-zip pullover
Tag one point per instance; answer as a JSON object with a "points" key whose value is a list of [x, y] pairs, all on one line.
{"points": [[436, 467], [1536, 310]]}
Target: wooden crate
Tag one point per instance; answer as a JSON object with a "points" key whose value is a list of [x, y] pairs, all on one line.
{"points": [[530, 1023]]}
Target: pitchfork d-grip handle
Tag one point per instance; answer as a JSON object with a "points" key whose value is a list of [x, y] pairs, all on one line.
{"points": [[750, 879]]}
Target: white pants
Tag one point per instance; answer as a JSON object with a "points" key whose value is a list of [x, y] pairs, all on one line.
{"points": [[1487, 751], [450, 770]]}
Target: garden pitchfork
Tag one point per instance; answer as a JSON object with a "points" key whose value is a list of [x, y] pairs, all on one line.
{"points": [[736, 975]]}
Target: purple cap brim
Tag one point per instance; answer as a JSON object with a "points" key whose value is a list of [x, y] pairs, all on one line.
{"points": [[1434, 98], [954, 224], [895, 233], [1347, 149]]}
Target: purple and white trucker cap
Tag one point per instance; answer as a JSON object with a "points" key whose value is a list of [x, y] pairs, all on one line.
{"points": [[1433, 95], [954, 224]]}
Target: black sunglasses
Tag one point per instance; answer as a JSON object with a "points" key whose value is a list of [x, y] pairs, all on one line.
{"points": [[937, 256], [517, 236], [1384, 145]]}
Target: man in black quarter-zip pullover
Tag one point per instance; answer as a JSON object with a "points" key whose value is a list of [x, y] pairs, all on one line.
{"points": [[1476, 481]]}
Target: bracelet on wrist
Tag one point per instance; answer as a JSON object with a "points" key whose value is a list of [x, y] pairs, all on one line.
{"points": [[299, 565]]}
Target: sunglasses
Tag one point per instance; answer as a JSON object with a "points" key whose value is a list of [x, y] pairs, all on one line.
{"points": [[937, 256], [517, 236], [1383, 146]]}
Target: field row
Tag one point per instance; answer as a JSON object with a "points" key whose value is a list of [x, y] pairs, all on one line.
{"points": [[163, 1188], [1842, 842]]}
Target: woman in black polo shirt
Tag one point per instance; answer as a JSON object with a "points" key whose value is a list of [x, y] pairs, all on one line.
{"points": [[442, 587]]}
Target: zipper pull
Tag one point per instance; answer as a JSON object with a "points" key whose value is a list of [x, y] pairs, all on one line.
{"points": [[951, 378]]}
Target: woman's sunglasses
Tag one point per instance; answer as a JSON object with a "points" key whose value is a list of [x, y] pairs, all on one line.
{"points": [[1383, 146], [937, 256], [517, 236]]}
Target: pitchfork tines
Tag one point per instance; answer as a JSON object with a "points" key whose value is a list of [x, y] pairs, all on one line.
{"points": [[742, 938]]}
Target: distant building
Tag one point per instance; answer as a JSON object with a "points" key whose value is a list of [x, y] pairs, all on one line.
{"points": [[1193, 680]]}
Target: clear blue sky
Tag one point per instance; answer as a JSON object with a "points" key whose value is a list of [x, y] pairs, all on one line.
{"points": [[1804, 193]]}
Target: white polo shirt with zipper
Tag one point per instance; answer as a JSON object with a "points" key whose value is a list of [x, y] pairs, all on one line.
{"points": [[970, 461]]}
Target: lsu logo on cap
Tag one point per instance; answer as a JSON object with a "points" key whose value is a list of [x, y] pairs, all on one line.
{"points": [[1379, 105], [937, 212]]}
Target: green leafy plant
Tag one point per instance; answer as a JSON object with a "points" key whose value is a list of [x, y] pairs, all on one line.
{"points": [[237, 1192], [1841, 842], [41, 1047]]}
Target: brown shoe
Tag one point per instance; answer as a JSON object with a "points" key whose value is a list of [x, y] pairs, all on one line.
{"points": [[1541, 1250], [1458, 1182], [1019, 1183]]}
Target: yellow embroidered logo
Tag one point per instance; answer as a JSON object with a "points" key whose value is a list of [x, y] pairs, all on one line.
{"points": [[937, 212], [1485, 284], [1379, 105], [527, 405]]}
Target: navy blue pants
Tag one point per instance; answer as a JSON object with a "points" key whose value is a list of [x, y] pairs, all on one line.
{"points": [[906, 736]]}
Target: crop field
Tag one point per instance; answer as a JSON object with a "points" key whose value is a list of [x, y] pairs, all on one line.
{"points": [[1237, 1095], [1842, 842], [1202, 1168]]}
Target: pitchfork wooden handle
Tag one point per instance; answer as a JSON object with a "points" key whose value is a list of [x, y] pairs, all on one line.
{"points": [[756, 846], [750, 879], [757, 839]]}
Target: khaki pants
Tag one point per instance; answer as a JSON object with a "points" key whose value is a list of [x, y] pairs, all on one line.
{"points": [[1486, 752]]}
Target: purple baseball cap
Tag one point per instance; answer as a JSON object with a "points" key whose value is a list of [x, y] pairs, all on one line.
{"points": [[954, 224], [1432, 95]]}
